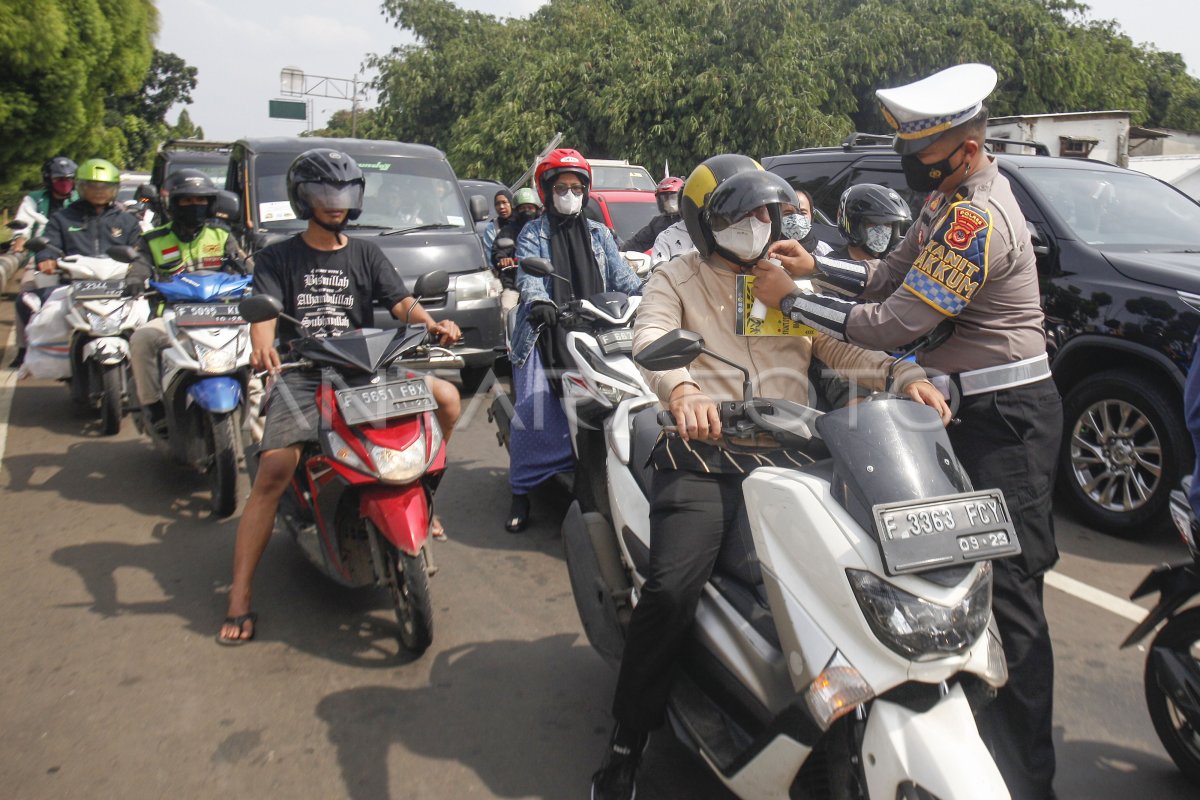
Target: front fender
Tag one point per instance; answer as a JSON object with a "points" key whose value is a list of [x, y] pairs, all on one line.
{"points": [[106, 350], [400, 513], [216, 395], [938, 750], [1175, 584]]}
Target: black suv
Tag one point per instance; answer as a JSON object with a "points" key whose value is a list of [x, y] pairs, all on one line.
{"points": [[1118, 256], [413, 208]]}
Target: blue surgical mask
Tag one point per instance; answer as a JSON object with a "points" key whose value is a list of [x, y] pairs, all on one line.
{"points": [[796, 226]]}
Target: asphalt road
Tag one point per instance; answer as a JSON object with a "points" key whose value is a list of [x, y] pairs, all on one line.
{"points": [[113, 581]]}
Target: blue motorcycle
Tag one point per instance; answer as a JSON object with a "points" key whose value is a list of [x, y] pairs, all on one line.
{"points": [[205, 372]]}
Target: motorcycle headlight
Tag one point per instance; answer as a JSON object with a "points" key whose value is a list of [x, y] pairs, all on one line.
{"points": [[216, 360], [105, 325], [916, 628], [401, 466], [476, 286], [342, 452]]}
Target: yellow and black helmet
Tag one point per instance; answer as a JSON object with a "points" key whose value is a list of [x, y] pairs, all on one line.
{"points": [[707, 203]]}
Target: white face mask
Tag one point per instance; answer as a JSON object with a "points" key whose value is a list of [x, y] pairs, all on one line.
{"points": [[744, 239], [568, 204], [877, 238], [796, 226]]}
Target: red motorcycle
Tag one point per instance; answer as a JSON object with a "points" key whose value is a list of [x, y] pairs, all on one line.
{"points": [[360, 505]]}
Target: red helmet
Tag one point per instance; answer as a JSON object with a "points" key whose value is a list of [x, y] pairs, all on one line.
{"points": [[556, 162], [669, 185]]}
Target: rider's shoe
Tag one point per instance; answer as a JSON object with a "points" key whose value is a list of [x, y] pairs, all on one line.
{"points": [[615, 780], [156, 416]]}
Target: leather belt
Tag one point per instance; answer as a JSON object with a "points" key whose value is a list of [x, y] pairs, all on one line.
{"points": [[993, 379]]}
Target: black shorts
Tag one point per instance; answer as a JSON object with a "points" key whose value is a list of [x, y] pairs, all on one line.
{"points": [[291, 417]]}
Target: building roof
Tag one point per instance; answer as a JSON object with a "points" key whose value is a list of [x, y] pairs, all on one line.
{"points": [[1061, 115]]}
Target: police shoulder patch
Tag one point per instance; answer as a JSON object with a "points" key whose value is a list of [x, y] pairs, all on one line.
{"points": [[953, 265]]}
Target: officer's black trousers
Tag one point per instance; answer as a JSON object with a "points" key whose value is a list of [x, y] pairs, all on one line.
{"points": [[1009, 440], [689, 515]]}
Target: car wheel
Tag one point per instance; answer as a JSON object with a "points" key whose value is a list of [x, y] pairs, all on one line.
{"points": [[1124, 449]]}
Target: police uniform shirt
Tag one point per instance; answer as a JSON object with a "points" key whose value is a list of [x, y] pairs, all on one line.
{"points": [[967, 256]]}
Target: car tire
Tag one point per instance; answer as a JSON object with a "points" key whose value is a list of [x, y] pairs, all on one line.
{"points": [[1124, 448]]}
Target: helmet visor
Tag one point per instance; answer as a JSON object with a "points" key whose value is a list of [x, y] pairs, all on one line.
{"points": [[744, 193], [325, 195]]}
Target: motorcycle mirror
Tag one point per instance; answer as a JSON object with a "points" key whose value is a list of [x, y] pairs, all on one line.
{"points": [[431, 284], [260, 308], [537, 266], [226, 206], [504, 244], [479, 208], [673, 350], [123, 253]]}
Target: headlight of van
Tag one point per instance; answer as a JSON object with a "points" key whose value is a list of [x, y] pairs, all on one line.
{"points": [[476, 286], [916, 628]]}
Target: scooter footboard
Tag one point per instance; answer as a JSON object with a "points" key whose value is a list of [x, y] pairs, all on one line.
{"points": [[400, 513], [938, 750]]}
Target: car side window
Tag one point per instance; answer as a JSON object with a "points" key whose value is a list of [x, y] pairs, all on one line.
{"points": [[892, 179], [1044, 246], [592, 211], [818, 178]]}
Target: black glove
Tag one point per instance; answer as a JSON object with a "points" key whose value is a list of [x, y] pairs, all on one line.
{"points": [[543, 314]]}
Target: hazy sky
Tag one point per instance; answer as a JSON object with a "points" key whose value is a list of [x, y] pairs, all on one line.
{"points": [[239, 47]]}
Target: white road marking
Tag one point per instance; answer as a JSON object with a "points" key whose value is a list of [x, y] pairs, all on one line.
{"points": [[8, 385], [1090, 594]]}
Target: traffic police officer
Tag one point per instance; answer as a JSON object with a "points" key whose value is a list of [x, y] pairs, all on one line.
{"points": [[185, 244], [967, 257]]}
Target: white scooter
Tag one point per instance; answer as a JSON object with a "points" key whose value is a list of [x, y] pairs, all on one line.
{"points": [[101, 316], [844, 655], [600, 375]]}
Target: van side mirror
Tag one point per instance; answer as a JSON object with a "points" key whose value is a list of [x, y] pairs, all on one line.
{"points": [[1041, 243], [226, 206], [431, 284], [479, 208]]}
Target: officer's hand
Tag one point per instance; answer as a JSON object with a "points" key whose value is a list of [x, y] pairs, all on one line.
{"points": [[772, 284], [446, 331], [543, 314], [794, 258], [927, 394], [48, 266], [695, 413], [265, 358]]}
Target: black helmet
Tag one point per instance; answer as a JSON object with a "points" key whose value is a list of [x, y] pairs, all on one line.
{"points": [[58, 167], [870, 204], [700, 198], [332, 169], [187, 222]]}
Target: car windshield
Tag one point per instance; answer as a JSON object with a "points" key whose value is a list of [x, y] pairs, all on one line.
{"points": [[629, 218], [213, 169], [622, 178], [1120, 210], [401, 193]]}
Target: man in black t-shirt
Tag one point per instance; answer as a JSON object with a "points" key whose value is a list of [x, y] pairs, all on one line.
{"points": [[330, 283]]}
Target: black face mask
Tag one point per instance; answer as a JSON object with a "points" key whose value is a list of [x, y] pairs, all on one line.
{"points": [[525, 216], [188, 220], [927, 177]]}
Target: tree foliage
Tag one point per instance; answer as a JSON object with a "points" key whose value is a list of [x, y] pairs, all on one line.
{"points": [[184, 128], [60, 61], [342, 126], [650, 80]]}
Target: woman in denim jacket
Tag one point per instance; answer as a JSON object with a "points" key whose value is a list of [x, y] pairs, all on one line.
{"points": [[584, 252]]}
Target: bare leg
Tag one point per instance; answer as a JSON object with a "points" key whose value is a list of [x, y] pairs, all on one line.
{"points": [[449, 404], [275, 470]]}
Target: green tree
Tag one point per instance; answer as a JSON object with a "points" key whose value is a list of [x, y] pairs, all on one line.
{"points": [[59, 61], [683, 79], [184, 128], [140, 116], [340, 126]]}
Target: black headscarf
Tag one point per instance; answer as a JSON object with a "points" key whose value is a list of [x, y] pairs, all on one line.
{"points": [[502, 221], [572, 256]]}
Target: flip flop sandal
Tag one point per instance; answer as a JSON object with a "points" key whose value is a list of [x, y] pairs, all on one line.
{"points": [[436, 530], [240, 622]]}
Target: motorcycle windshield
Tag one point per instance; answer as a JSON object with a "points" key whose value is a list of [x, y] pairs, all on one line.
{"points": [[614, 304], [199, 287], [888, 451], [366, 350]]}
